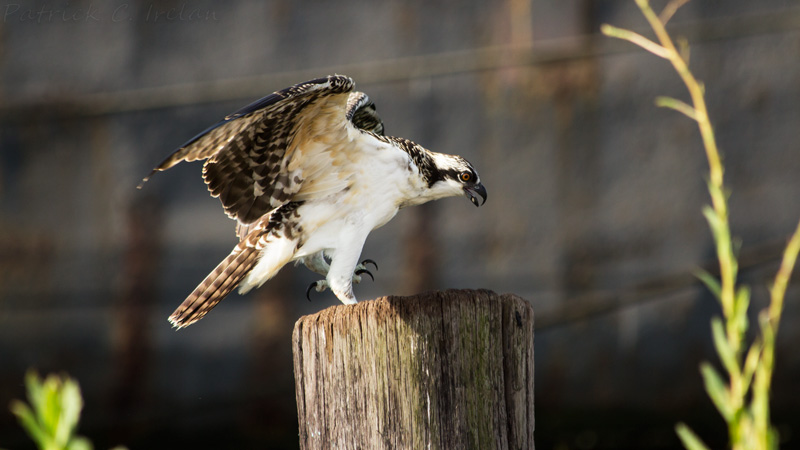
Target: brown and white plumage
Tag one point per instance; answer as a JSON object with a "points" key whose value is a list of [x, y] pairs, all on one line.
{"points": [[307, 174]]}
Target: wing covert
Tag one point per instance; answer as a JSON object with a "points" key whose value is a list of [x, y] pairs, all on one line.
{"points": [[249, 153]]}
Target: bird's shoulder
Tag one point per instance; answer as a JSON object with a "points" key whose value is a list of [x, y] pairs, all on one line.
{"points": [[293, 140]]}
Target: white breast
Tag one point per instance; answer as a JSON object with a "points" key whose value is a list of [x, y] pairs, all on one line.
{"points": [[379, 179]]}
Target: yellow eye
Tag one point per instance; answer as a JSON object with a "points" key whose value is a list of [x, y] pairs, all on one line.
{"points": [[465, 176]]}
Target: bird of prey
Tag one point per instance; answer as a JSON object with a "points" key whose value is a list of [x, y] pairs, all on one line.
{"points": [[307, 174]]}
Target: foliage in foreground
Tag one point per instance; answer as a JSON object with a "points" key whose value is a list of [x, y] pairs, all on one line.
{"points": [[742, 400], [51, 419]]}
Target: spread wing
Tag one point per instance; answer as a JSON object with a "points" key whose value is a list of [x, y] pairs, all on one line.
{"points": [[284, 147]]}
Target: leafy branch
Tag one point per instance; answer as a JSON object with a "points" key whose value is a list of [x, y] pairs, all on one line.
{"points": [[750, 374]]}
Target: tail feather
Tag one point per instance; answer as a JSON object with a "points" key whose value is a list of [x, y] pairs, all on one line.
{"points": [[244, 267], [218, 284]]}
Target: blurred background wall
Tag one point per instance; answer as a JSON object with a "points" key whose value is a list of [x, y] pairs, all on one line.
{"points": [[594, 208]]}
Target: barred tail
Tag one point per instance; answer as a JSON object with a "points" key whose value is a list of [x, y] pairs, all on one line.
{"points": [[218, 284], [249, 265]]}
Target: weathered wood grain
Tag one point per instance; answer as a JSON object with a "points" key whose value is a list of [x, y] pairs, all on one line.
{"points": [[441, 370]]}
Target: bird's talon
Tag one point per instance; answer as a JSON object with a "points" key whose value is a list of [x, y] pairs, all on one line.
{"points": [[360, 271], [369, 261], [308, 291], [318, 286]]}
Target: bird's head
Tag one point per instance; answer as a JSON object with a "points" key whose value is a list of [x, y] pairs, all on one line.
{"points": [[456, 176]]}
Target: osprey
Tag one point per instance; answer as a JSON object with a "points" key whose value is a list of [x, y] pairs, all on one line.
{"points": [[307, 174]]}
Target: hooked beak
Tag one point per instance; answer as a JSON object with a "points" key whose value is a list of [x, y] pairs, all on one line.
{"points": [[473, 191]]}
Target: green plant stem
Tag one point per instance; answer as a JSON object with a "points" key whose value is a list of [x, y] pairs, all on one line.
{"points": [[718, 200], [770, 320], [778, 289], [749, 426], [725, 253], [668, 51]]}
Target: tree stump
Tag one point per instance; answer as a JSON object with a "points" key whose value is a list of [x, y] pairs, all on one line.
{"points": [[441, 370]]}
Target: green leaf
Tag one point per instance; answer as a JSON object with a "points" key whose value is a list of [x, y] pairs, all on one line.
{"points": [[29, 423], [683, 49], [741, 303], [690, 440], [54, 413], [635, 38], [726, 353], [50, 408], [759, 405], [750, 363], [720, 230], [677, 105], [717, 390], [710, 281], [36, 396], [713, 219], [717, 190], [70, 406]]}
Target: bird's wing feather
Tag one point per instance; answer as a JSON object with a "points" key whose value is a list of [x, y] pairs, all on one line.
{"points": [[363, 114], [286, 146]]}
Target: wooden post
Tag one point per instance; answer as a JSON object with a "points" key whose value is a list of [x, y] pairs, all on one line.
{"points": [[441, 370]]}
